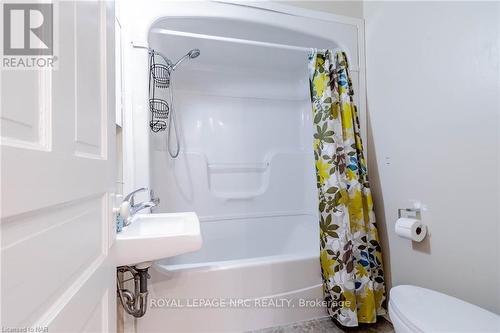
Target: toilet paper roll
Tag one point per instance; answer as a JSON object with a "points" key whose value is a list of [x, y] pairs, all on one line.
{"points": [[410, 229]]}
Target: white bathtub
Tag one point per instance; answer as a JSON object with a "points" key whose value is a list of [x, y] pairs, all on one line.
{"points": [[246, 164], [242, 279]]}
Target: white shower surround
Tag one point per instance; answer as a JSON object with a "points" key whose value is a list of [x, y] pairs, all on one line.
{"points": [[253, 186]]}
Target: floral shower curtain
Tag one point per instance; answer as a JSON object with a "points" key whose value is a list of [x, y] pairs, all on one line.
{"points": [[351, 258]]}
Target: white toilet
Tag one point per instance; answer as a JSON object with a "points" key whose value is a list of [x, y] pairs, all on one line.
{"points": [[414, 309]]}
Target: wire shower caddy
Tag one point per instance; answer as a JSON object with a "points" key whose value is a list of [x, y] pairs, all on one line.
{"points": [[159, 78]]}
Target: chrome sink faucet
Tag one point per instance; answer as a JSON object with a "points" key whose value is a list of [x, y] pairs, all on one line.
{"points": [[141, 206], [129, 208]]}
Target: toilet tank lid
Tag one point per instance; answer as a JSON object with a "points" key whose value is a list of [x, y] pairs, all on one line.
{"points": [[431, 311]]}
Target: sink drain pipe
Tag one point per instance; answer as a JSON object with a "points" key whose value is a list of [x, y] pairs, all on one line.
{"points": [[135, 303]]}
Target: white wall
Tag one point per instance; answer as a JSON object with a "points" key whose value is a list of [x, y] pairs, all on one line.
{"points": [[353, 8], [433, 87]]}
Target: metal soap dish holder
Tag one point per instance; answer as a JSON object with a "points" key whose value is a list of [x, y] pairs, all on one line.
{"points": [[157, 125], [159, 108], [161, 75]]}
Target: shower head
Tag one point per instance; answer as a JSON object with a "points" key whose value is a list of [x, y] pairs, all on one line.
{"points": [[194, 53]]}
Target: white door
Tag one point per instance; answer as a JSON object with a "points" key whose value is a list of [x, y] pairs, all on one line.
{"points": [[58, 153]]}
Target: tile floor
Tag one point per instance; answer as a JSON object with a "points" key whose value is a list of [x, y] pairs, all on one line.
{"points": [[326, 325]]}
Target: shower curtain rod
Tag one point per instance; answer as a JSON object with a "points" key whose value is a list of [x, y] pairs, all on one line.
{"points": [[231, 40], [234, 40]]}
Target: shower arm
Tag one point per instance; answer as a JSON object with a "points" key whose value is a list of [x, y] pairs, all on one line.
{"points": [[177, 62], [194, 53]]}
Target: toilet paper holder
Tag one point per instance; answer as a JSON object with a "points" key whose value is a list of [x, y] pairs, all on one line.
{"points": [[417, 230], [410, 212]]}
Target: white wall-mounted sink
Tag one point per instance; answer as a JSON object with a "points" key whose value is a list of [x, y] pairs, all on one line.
{"points": [[154, 236]]}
